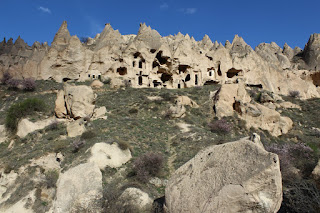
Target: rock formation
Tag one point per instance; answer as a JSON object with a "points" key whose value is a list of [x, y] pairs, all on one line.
{"points": [[238, 176], [233, 98], [150, 60]]}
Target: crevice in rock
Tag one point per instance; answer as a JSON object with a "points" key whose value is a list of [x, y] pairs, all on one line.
{"points": [[233, 72], [122, 70]]}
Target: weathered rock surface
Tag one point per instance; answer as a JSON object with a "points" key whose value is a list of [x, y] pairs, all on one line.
{"points": [[76, 128], [75, 102], [136, 197], [103, 155], [316, 171], [149, 60], [233, 98], [25, 126], [79, 190], [3, 133], [238, 176]]}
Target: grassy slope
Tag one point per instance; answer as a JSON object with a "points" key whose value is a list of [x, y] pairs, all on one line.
{"points": [[139, 121]]}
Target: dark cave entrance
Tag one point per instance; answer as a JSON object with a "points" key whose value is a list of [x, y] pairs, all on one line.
{"points": [[121, 71], [233, 72]]}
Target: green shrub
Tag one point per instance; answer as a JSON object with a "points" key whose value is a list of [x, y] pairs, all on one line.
{"points": [[51, 178], [88, 135], [123, 145], [22, 109]]}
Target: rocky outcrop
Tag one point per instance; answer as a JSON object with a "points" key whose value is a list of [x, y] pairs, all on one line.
{"points": [[252, 184], [75, 102], [25, 126], [103, 155], [233, 98], [311, 52], [149, 60], [137, 198], [3, 134], [79, 190]]}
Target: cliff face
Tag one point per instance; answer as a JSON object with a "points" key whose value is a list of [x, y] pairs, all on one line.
{"points": [[149, 60]]}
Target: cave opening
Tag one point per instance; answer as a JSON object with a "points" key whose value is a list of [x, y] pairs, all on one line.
{"points": [[140, 80], [212, 82], [153, 50], [182, 68], [140, 64], [156, 83], [155, 64], [136, 55], [219, 70], [161, 59], [316, 78], [133, 63], [196, 79], [237, 107], [66, 79], [122, 70], [187, 78], [165, 77], [233, 72]]}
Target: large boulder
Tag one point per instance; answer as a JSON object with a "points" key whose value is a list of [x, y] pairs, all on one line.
{"points": [[75, 102], [239, 176], [103, 155], [25, 126], [137, 198], [233, 98], [79, 190]]}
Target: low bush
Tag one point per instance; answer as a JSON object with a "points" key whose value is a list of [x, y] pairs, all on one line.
{"points": [[123, 145], [13, 84], [294, 94], [293, 155], [88, 135], [5, 78], [51, 178], [220, 126], [28, 84], [77, 144], [22, 109], [148, 165]]}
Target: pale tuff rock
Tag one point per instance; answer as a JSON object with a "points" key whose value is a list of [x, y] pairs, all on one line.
{"points": [[25, 126], [311, 52], [253, 183], [6, 181], [178, 110], [76, 128], [100, 113], [49, 161], [96, 84], [79, 189], [22, 205], [103, 155], [136, 197], [316, 171], [3, 134], [75, 102], [79, 101], [233, 98]]}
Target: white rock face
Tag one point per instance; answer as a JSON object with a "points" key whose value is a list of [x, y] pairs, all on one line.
{"points": [[103, 154], [316, 171], [233, 98], [76, 128], [25, 126], [238, 176], [3, 134], [136, 197], [79, 101], [79, 190]]}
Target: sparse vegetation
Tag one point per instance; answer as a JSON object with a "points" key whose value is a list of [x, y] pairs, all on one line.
{"points": [[88, 135], [123, 145], [220, 126], [51, 178], [294, 93], [28, 84], [22, 109], [5, 78], [77, 144], [148, 165]]}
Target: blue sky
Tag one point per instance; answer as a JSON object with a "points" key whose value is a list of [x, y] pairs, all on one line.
{"points": [[257, 21]]}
